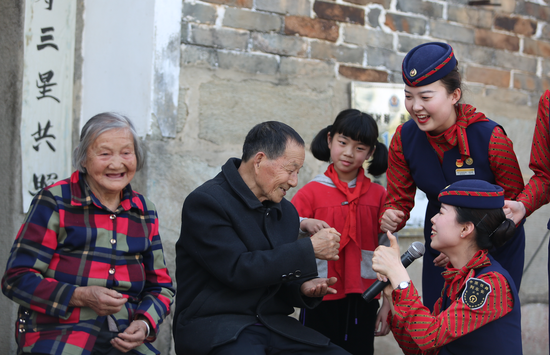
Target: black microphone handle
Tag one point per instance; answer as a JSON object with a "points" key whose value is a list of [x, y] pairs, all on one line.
{"points": [[378, 286]]}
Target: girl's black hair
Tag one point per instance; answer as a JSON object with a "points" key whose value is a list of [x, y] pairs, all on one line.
{"points": [[358, 126], [491, 226]]}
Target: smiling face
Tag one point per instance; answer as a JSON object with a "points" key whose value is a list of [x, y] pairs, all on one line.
{"points": [[432, 107], [446, 231], [347, 155], [110, 163], [275, 177]]}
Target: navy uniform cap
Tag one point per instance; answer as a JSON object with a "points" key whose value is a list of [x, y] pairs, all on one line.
{"points": [[427, 63], [473, 194]]}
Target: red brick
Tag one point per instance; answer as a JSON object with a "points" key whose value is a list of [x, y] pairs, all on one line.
{"points": [[237, 3], [403, 23], [339, 12], [525, 82], [542, 12], [496, 40], [518, 25], [362, 74], [385, 3], [488, 76], [538, 48], [312, 28]]}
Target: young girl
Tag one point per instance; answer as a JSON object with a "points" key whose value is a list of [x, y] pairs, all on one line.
{"points": [[445, 142], [479, 309], [345, 199]]}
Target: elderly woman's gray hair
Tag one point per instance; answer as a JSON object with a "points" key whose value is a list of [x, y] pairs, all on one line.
{"points": [[99, 124]]}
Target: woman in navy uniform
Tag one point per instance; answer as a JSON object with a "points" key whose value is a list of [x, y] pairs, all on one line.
{"points": [[537, 191], [479, 299], [443, 143]]}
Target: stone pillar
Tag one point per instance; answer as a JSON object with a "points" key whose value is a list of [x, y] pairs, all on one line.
{"points": [[12, 18]]}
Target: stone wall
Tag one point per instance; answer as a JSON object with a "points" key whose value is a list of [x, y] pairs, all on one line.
{"points": [[247, 61]]}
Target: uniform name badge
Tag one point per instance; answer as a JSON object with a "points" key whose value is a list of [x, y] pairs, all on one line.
{"points": [[466, 171], [475, 293]]}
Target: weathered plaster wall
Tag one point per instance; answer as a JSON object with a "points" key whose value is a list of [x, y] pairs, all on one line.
{"points": [[11, 216]]}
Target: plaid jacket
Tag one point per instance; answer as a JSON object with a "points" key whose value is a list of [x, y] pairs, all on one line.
{"points": [[69, 239]]}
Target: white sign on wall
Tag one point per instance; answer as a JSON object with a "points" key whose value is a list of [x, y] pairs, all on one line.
{"points": [[385, 103], [46, 119]]}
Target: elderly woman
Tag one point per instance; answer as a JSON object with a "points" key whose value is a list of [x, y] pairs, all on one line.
{"points": [[87, 267]]}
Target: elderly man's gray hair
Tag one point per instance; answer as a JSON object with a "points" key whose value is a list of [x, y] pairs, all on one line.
{"points": [[270, 137], [99, 124]]}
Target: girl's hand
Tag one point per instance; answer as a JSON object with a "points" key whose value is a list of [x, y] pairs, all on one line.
{"points": [[390, 220], [312, 225]]}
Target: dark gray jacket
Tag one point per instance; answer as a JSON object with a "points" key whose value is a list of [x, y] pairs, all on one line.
{"points": [[239, 262]]}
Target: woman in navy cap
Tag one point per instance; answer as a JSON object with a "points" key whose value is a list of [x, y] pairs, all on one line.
{"points": [[445, 142], [479, 309]]}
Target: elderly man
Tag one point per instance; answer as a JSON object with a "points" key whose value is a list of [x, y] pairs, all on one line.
{"points": [[240, 266]]}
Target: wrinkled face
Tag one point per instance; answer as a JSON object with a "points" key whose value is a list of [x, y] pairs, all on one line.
{"points": [[275, 177], [431, 107], [446, 230], [347, 155], [111, 162]]}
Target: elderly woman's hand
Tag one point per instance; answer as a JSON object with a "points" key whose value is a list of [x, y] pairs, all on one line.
{"points": [[132, 337], [102, 300]]}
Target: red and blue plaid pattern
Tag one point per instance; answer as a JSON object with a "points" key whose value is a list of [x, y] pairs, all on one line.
{"points": [[69, 239]]}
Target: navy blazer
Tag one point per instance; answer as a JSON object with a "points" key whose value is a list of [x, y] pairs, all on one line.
{"points": [[239, 262]]}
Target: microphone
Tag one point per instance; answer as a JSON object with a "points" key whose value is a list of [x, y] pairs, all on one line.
{"points": [[415, 251]]}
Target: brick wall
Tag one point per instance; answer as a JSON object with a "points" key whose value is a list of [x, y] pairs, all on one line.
{"points": [[365, 40]]}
